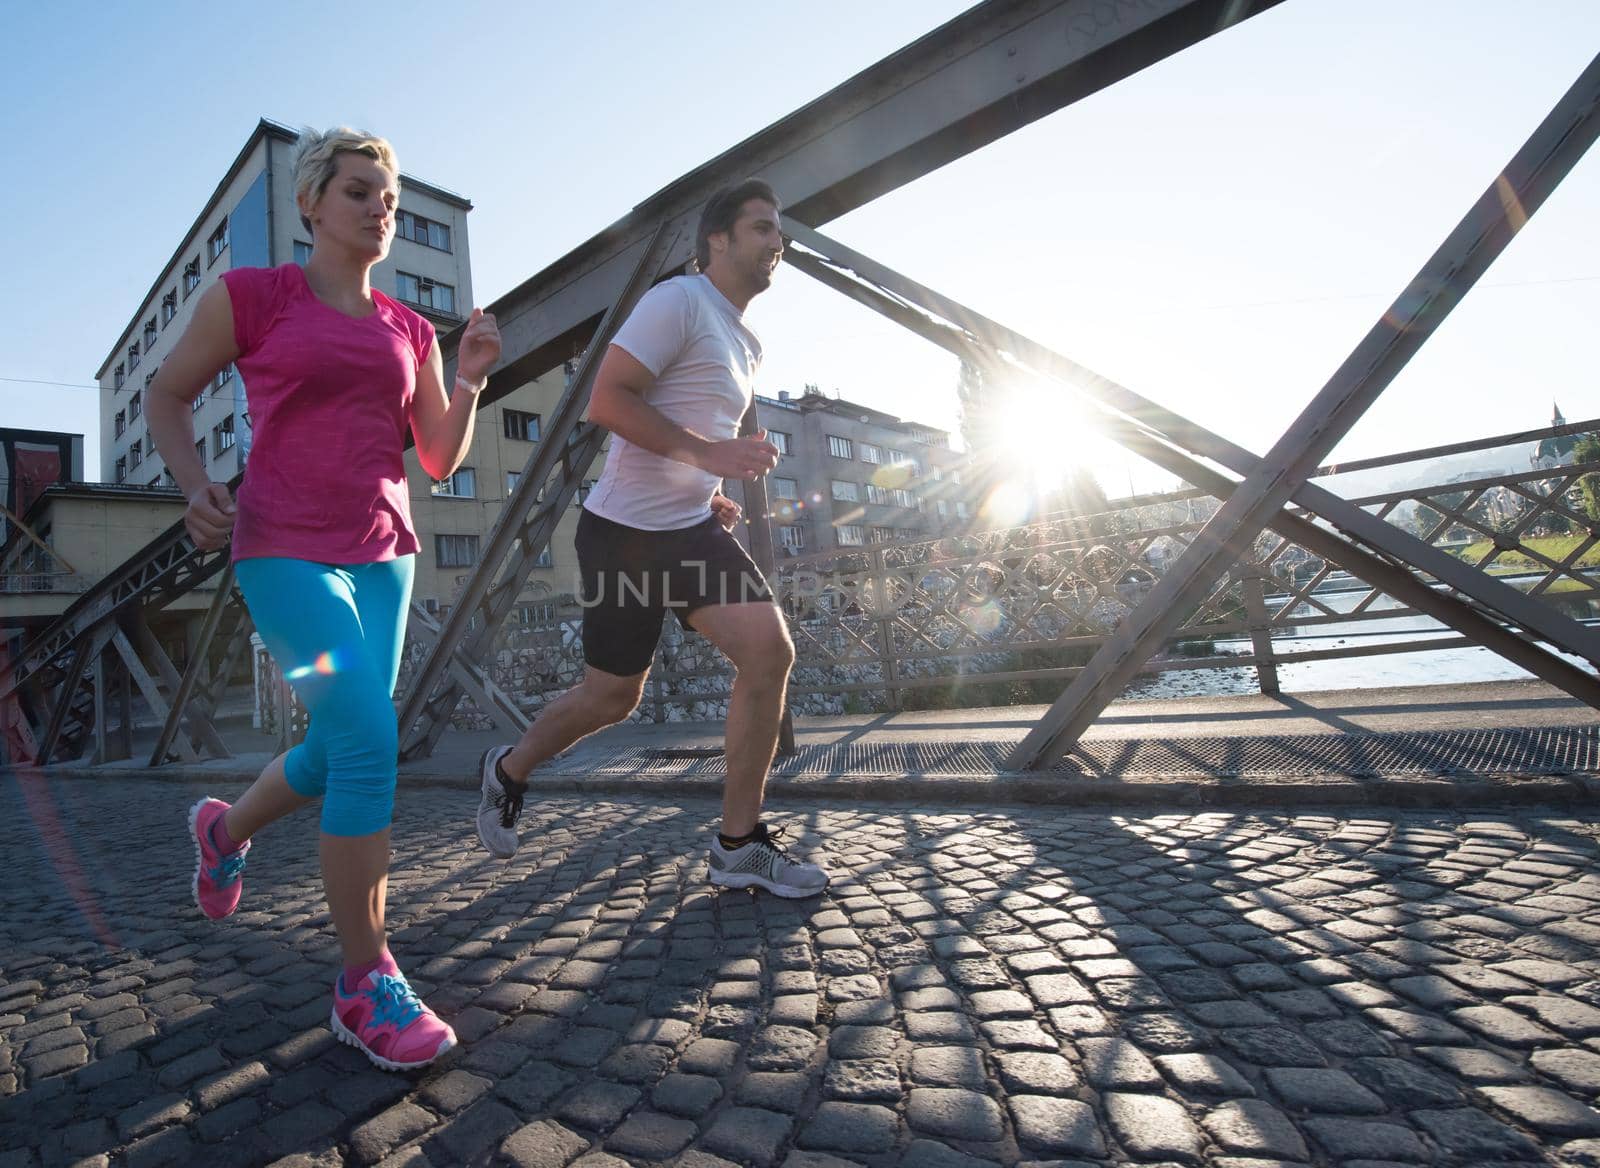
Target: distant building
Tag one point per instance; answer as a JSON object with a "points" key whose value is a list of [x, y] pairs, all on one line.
{"points": [[1554, 452], [30, 461], [852, 475]]}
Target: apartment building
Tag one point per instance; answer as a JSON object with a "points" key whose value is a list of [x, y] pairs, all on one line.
{"points": [[852, 475]]}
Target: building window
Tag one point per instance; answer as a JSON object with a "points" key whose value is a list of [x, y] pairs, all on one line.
{"points": [[218, 242], [167, 480], [944, 509], [543, 559], [133, 356], [135, 454], [583, 490], [882, 534], [845, 491], [191, 276], [222, 436], [134, 407], [122, 469], [224, 375], [423, 231], [792, 539], [899, 457], [151, 376], [961, 510], [521, 427], [169, 307], [302, 252], [779, 439], [785, 488], [840, 447], [149, 334], [877, 494], [455, 551], [904, 498], [199, 400], [461, 485], [849, 534], [871, 453], [120, 425], [536, 614], [907, 533], [200, 449], [118, 376], [422, 291], [513, 477]]}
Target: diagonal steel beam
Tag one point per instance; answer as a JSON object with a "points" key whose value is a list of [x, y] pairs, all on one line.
{"points": [[1392, 578], [1492, 222], [191, 675], [1520, 608], [995, 68]]}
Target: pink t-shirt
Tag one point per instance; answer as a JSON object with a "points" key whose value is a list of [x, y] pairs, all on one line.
{"points": [[330, 399]]}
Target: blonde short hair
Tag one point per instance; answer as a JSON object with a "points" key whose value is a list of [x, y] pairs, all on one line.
{"points": [[317, 159]]}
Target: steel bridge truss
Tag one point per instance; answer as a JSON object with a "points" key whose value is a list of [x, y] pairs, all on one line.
{"points": [[1000, 66]]}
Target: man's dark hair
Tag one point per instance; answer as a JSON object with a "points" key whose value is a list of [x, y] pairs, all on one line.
{"points": [[723, 209]]}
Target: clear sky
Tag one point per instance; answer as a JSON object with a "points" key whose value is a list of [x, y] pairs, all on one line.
{"points": [[1216, 232]]}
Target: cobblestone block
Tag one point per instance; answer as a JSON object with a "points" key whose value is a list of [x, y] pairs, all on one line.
{"points": [[1474, 1137], [1204, 1075], [1153, 1127], [1256, 1128], [687, 1095], [1577, 1070], [783, 1048], [709, 1056], [1113, 1064], [955, 1113], [783, 1091], [1547, 1112], [542, 1144], [748, 1135], [596, 1105], [651, 1136], [860, 1128], [862, 1081], [383, 1133]]}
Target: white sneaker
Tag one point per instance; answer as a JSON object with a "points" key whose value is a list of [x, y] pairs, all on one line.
{"points": [[498, 806], [761, 863]]}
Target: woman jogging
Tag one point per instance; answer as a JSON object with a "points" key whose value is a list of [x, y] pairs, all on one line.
{"points": [[323, 545]]}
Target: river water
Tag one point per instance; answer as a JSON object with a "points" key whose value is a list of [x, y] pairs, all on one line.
{"points": [[1432, 667]]}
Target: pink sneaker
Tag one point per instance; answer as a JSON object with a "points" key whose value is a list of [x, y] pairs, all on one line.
{"points": [[386, 1020], [218, 877]]}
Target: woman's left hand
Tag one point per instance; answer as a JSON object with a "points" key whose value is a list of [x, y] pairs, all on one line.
{"points": [[726, 511], [479, 348]]}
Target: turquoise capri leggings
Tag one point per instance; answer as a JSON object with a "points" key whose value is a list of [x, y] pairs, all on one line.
{"points": [[336, 631]]}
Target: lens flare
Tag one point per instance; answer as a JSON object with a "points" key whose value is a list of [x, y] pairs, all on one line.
{"points": [[323, 666], [1010, 504], [984, 618]]}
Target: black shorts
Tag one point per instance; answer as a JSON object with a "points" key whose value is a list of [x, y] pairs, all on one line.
{"points": [[632, 578]]}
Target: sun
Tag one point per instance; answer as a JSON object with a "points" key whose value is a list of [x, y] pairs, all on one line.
{"points": [[1037, 436]]}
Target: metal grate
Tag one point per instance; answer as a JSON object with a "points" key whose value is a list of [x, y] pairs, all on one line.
{"points": [[1556, 750]]}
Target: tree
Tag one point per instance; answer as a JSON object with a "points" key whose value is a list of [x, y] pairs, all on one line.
{"points": [[1587, 449]]}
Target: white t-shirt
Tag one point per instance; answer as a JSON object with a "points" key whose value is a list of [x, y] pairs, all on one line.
{"points": [[704, 358]]}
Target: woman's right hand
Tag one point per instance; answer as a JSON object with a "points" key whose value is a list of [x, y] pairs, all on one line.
{"points": [[209, 519]]}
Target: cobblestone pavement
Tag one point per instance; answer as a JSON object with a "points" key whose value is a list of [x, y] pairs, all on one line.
{"points": [[987, 987]]}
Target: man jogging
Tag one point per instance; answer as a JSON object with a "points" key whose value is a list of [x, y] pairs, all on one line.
{"points": [[657, 533]]}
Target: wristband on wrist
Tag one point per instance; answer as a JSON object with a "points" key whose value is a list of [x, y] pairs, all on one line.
{"points": [[465, 386]]}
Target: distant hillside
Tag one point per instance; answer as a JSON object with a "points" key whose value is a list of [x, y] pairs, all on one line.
{"points": [[1452, 468]]}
